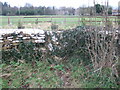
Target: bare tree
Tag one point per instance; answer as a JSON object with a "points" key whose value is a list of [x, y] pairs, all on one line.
{"points": [[119, 14]]}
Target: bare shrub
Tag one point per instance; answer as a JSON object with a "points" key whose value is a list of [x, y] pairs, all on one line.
{"points": [[101, 45]]}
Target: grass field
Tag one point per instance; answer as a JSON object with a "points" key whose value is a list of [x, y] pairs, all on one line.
{"points": [[62, 21], [45, 75]]}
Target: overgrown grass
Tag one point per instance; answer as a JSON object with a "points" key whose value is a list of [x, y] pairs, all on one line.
{"points": [[42, 74], [27, 75]]}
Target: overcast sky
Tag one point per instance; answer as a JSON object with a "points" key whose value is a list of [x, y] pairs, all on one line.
{"points": [[60, 3]]}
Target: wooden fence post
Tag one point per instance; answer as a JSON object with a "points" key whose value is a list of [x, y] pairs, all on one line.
{"points": [[0, 51], [65, 20], [51, 18], [78, 19], [119, 15], [8, 20]]}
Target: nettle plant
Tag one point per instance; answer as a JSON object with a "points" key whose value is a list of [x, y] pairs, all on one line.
{"points": [[20, 25], [83, 21], [54, 26], [36, 21]]}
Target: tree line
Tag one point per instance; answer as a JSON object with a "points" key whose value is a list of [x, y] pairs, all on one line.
{"points": [[29, 9]]}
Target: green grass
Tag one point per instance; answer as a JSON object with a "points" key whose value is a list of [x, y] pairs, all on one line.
{"points": [[66, 20], [25, 74], [43, 75]]}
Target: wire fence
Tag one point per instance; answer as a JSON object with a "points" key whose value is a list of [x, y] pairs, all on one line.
{"points": [[57, 19]]}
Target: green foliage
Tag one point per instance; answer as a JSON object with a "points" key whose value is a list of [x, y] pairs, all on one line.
{"points": [[1, 82], [99, 8], [83, 21], [24, 51], [110, 10], [20, 25], [24, 75], [51, 61], [54, 27], [109, 24], [59, 67], [77, 60], [36, 21], [26, 10], [103, 81], [43, 75], [72, 43], [93, 79]]}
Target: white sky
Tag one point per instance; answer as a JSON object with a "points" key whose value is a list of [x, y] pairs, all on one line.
{"points": [[60, 3]]}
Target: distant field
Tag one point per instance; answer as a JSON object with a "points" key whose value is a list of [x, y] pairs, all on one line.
{"points": [[60, 20]]}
